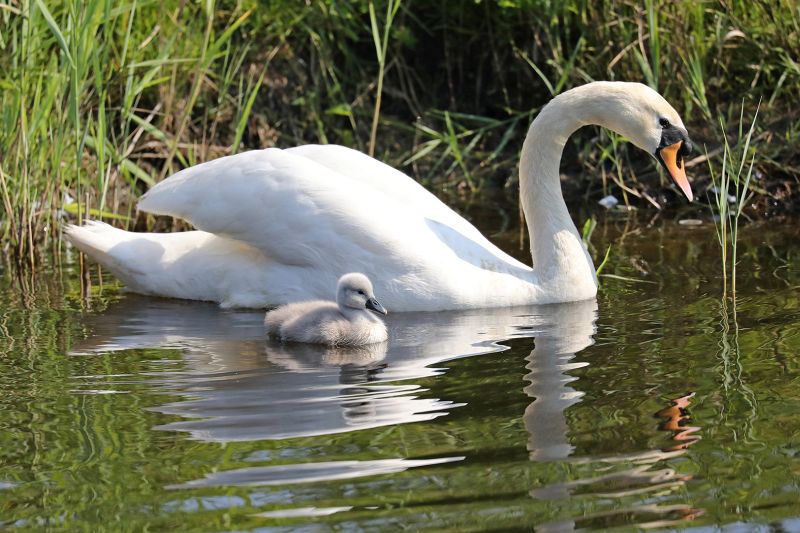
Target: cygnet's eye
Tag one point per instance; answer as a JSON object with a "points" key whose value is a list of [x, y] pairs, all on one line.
{"points": [[664, 123], [361, 293]]}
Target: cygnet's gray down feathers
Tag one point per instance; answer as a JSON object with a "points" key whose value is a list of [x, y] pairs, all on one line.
{"points": [[348, 322]]}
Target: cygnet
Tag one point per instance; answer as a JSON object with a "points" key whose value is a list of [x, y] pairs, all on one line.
{"points": [[348, 322]]}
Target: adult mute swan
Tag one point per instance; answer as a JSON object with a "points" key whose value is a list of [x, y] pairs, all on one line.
{"points": [[277, 226], [348, 322]]}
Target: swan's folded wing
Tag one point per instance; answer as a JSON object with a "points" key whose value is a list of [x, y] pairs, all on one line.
{"points": [[376, 174], [295, 210], [395, 185]]}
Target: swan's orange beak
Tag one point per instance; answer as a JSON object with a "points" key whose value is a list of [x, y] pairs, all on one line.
{"points": [[672, 158]]}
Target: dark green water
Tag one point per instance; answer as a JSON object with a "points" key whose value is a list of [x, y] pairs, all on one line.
{"points": [[655, 406]]}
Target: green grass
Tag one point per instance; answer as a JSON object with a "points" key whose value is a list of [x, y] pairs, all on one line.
{"points": [[99, 100]]}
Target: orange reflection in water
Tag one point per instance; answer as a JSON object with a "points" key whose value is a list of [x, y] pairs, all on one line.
{"points": [[677, 420]]}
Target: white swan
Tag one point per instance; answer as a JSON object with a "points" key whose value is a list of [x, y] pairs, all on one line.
{"points": [[348, 322], [278, 226]]}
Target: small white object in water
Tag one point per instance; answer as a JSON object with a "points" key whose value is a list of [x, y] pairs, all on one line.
{"points": [[350, 321], [609, 201], [716, 190]]}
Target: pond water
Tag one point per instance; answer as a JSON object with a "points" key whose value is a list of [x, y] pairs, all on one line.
{"points": [[660, 405]]}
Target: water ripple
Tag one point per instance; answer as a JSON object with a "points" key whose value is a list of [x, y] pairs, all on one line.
{"points": [[310, 472]]}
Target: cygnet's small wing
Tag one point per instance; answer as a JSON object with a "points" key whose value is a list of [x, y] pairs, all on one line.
{"points": [[317, 322], [279, 316]]}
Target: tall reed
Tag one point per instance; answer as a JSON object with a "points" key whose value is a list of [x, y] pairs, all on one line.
{"points": [[732, 192], [97, 99], [381, 48]]}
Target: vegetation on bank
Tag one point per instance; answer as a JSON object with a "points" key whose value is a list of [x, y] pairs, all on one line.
{"points": [[99, 100]]}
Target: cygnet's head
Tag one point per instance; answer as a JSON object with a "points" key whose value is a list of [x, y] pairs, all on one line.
{"points": [[354, 291]]}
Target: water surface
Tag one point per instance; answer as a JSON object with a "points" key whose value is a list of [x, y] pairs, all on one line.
{"points": [[660, 405]]}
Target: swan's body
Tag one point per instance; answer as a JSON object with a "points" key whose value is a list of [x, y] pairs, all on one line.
{"points": [[282, 225], [347, 322]]}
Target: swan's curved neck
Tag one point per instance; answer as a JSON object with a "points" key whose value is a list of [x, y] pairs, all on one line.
{"points": [[561, 262]]}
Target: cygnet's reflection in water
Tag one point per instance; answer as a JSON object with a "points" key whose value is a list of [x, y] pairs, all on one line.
{"points": [[300, 390], [241, 386]]}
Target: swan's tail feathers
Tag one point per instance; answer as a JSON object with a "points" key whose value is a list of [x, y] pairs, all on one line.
{"points": [[94, 239], [109, 246]]}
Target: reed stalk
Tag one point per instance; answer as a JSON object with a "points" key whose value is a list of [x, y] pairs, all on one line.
{"points": [[381, 41], [731, 193]]}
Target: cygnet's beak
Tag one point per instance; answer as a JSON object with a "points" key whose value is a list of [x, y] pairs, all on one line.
{"points": [[671, 156], [374, 305]]}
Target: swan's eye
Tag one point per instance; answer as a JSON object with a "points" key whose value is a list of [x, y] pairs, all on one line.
{"points": [[664, 123], [361, 293]]}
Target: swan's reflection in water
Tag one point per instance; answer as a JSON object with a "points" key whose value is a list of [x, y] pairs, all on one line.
{"points": [[241, 387], [617, 476], [237, 386]]}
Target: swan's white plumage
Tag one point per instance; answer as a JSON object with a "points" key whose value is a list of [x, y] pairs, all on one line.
{"points": [[282, 225]]}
